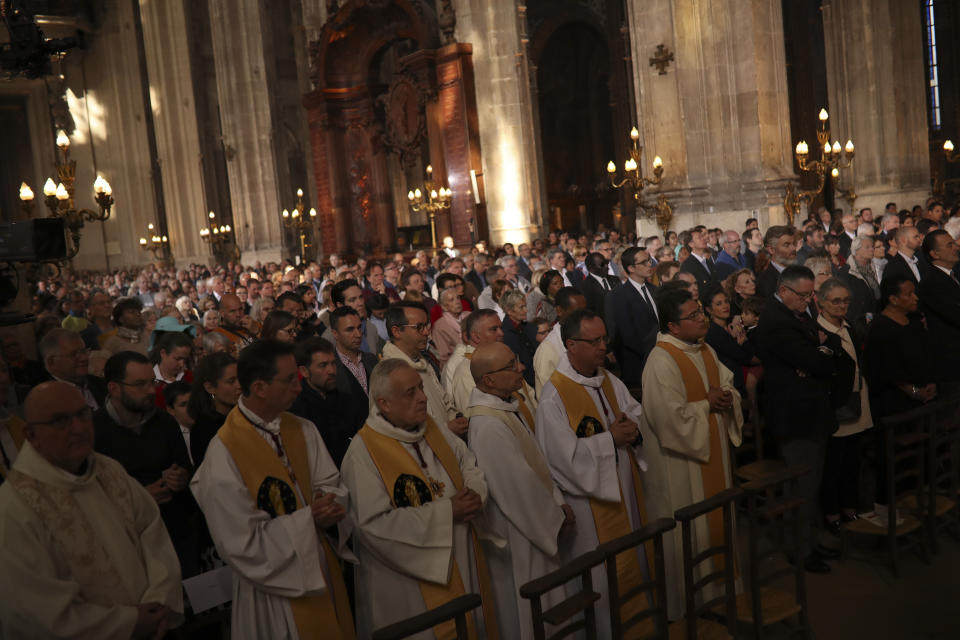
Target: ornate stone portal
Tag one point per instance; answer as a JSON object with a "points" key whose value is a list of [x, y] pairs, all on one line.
{"points": [[371, 135]]}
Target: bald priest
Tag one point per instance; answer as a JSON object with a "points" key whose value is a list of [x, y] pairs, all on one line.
{"points": [[83, 550]]}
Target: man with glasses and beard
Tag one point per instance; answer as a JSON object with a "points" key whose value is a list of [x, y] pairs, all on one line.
{"points": [[148, 443]]}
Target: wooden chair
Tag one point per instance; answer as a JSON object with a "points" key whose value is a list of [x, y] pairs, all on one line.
{"points": [[654, 616], [567, 611], [457, 610], [762, 467], [695, 625], [771, 503], [942, 504], [906, 439]]}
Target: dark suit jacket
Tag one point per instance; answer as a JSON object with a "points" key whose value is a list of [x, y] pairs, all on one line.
{"points": [[897, 266], [595, 293], [97, 387], [633, 326], [522, 340], [845, 242], [798, 376], [576, 279], [767, 282], [474, 278], [862, 302], [523, 269], [940, 302], [693, 266]]}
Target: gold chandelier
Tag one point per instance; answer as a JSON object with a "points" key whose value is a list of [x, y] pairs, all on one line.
{"points": [[433, 198], [633, 177], [831, 160]]}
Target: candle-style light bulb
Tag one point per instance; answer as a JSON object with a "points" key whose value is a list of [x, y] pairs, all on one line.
{"points": [[823, 115], [948, 146], [417, 194], [62, 140], [295, 213], [657, 162], [836, 146], [164, 239], [299, 193], [62, 193], [429, 169], [313, 212], [143, 242], [611, 167], [26, 193], [150, 227], [799, 149], [226, 228], [99, 185], [826, 148], [835, 172], [211, 215], [285, 213], [634, 134], [849, 146], [630, 165], [215, 231], [433, 194], [410, 196], [49, 187]]}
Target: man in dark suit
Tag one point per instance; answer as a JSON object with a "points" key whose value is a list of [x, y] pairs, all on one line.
{"points": [[940, 302], [596, 287], [524, 253], [849, 222], [631, 315], [780, 242], [476, 275], [66, 359], [332, 395], [729, 260], [904, 262], [799, 364], [699, 264]]}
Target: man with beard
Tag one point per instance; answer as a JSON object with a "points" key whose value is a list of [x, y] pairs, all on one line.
{"points": [[149, 445], [348, 293], [235, 325], [781, 242]]}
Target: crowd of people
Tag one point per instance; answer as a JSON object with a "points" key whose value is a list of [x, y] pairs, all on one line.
{"points": [[361, 441]]}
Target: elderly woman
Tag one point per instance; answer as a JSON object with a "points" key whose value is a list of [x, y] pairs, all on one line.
{"points": [[518, 334], [446, 330], [211, 320], [260, 308], [839, 487]]}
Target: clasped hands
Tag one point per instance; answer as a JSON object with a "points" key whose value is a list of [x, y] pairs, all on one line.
{"points": [[171, 481], [720, 400], [326, 510], [624, 431]]}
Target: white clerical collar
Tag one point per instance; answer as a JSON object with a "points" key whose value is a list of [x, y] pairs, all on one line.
{"points": [[378, 423], [567, 369], [273, 426], [480, 398], [29, 462]]}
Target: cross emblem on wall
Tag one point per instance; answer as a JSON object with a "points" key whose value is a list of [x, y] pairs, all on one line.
{"points": [[662, 59]]}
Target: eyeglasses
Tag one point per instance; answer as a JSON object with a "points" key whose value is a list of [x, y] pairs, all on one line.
{"points": [[61, 421], [139, 384], [838, 301], [421, 327], [640, 262], [595, 342], [513, 366], [692, 316], [804, 296]]}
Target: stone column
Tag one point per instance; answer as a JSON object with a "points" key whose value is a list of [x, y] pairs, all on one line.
{"points": [[245, 110], [719, 117], [175, 116], [877, 86], [509, 180]]}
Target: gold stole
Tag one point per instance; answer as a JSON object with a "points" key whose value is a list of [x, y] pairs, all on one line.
{"points": [[324, 616], [15, 427], [610, 518], [712, 474], [396, 466]]}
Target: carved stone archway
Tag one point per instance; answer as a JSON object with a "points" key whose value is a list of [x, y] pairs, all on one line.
{"points": [[358, 119]]}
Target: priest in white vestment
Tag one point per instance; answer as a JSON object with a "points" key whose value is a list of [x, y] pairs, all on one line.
{"points": [[83, 550], [691, 416], [270, 493], [587, 428], [525, 506], [409, 327], [550, 352], [416, 495]]}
